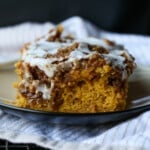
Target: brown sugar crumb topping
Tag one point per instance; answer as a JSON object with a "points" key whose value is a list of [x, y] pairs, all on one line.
{"points": [[130, 65], [55, 34], [108, 42], [62, 52], [99, 49]]}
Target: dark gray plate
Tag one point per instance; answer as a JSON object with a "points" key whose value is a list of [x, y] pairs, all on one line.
{"points": [[73, 118]]}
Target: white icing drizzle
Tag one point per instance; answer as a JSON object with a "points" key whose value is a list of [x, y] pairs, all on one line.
{"points": [[115, 58], [43, 47], [82, 52], [45, 90], [94, 41], [37, 52]]}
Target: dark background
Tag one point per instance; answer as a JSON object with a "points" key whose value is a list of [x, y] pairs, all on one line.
{"points": [[128, 16]]}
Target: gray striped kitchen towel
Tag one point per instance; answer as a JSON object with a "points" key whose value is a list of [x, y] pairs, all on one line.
{"points": [[133, 134]]}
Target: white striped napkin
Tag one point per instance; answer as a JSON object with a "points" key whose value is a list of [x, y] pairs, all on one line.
{"points": [[133, 134]]}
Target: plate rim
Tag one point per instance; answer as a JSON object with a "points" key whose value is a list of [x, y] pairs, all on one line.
{"points": [[9, 106]]}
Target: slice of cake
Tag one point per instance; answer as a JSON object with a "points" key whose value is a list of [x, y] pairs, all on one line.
{"points": [[63, 74]]}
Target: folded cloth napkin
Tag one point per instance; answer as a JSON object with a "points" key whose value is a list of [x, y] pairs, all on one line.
{"points": [[128, 135]]}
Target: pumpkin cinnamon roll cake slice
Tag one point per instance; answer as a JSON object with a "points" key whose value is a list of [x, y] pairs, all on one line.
{"points": [[61, 73]]}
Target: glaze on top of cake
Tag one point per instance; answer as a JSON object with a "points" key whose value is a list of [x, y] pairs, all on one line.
{"points": [[37, 53]]}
